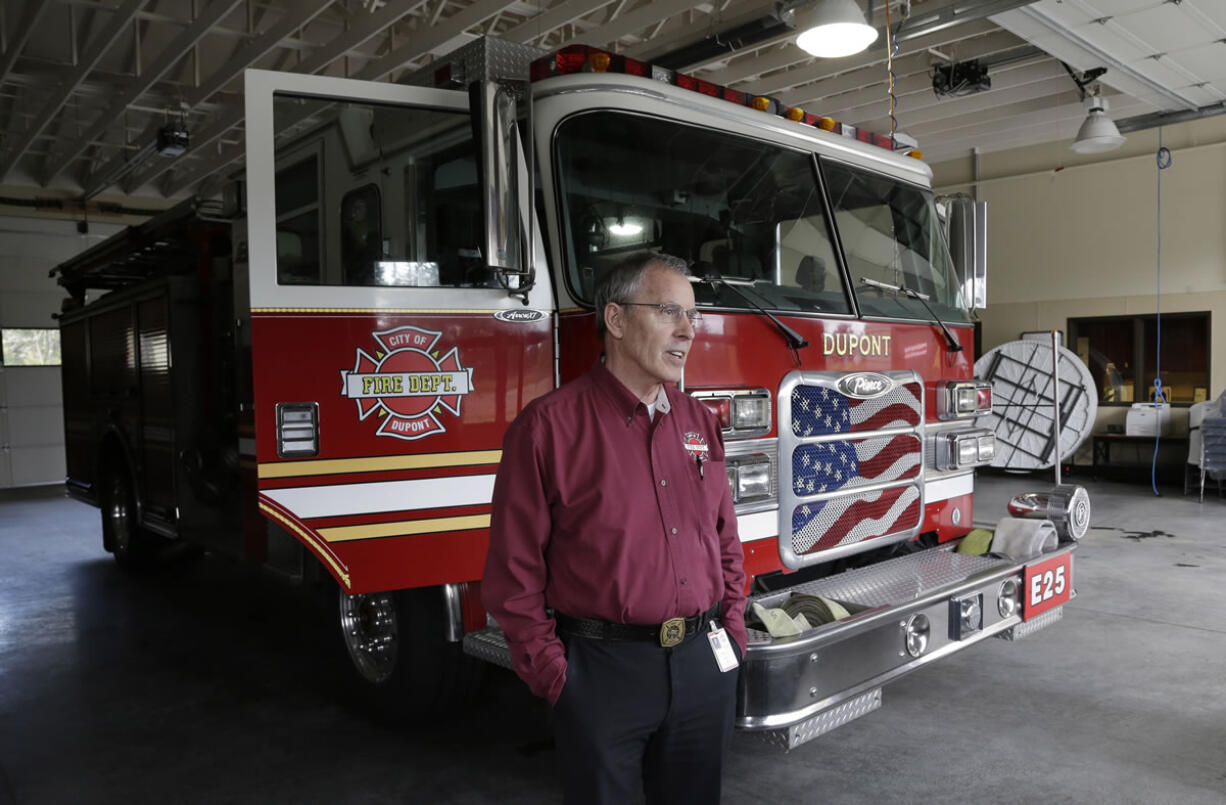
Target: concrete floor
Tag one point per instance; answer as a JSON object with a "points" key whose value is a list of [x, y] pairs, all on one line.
{"points": [[213, 683]]}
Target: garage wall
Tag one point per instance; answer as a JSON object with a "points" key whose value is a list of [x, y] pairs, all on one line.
{"points": [[1076, 236], [31, 407]]}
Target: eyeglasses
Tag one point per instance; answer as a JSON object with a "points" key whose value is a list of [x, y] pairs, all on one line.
{"points": [[670, 310]]}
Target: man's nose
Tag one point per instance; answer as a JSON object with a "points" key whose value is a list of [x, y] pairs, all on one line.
{"points": [[684, 328]]}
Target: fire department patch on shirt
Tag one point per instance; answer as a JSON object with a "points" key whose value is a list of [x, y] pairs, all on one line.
{"points": [[695, 444]]}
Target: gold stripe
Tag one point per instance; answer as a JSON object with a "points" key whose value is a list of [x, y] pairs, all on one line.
{"points": [[368, 310], [323, 550], [331, 466], [404, 528]]}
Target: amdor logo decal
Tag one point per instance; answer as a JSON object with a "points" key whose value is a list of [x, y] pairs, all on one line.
{"points": [[407, 383], [520, 316]]}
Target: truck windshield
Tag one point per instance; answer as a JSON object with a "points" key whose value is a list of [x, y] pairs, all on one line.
{"points": [[891, 235], [730, 206]]}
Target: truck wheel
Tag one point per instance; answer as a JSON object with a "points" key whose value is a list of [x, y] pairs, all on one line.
{"points": [[121, 533], [404, 665]]}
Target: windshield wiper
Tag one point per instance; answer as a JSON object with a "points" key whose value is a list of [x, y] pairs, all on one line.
{"points": [[954, 346], [795, 340]]}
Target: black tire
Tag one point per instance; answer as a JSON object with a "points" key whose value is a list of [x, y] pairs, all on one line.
{"points": [[122, 534], [402, 662]]}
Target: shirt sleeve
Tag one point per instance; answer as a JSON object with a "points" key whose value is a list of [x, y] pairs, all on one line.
{"points": [[732, 559], [513, 586]]}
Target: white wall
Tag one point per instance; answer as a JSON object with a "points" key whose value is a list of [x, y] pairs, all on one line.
{"points": [[1073, 236], [31, 409]]}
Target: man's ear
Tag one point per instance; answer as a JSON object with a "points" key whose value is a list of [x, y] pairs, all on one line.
{"points": [[614, 319]]}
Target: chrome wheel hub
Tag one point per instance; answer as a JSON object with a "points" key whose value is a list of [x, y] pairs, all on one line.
{"points": [[368, 625]]}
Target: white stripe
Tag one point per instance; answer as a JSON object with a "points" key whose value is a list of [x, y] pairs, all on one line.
{"points": [[946, 488], [384, 496], [875, 526], [759, 525]]}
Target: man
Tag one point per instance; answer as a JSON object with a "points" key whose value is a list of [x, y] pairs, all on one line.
{"points": [[614, 566]]}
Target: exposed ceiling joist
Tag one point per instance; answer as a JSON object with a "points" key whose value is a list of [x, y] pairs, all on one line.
{"points": [[29, 19], [243, 57], [172, 53], [119, 21], [338, 47]]}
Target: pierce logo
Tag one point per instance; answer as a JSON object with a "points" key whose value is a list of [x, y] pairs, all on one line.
{"points": [[406, 384], [865, 385]]}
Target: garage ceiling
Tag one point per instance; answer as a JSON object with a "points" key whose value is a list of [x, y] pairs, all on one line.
{"points": [[85, 84]]}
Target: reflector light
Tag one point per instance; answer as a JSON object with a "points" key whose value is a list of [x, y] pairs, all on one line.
{"points": [[722, 408], [734, 96], [582, 58], [983, 397], [599, 61], [750, 412], [632, 66]]}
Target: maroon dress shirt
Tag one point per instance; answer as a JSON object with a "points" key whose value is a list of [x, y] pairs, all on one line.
{"points": [[601, 512]]}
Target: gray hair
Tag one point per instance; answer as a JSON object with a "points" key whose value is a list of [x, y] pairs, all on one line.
{"points": [[623, 281]]}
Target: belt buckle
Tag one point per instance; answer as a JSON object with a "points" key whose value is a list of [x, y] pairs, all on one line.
{"points": [[672, 632]]}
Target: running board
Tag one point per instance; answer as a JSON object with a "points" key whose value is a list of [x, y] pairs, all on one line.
{"points": [[488, 644]]}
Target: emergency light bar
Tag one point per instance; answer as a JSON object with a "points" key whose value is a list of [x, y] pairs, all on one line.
{"points": [[586, 59]]}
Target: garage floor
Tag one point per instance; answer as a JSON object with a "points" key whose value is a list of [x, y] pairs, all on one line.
{"points": [[201, 684]]}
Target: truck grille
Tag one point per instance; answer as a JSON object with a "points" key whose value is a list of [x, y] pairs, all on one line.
{"points": [[849, 467]]}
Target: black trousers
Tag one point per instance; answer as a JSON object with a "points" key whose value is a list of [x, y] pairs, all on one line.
{"points": [[635, 714]]}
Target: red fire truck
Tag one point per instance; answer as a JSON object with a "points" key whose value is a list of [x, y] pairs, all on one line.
{"points": [[318, 378]]}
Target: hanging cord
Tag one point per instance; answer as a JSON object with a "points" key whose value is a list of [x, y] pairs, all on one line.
{"points": [[1163, 160], [891, 49]]}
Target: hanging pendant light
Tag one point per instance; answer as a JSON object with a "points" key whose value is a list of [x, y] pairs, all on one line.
{"points": [[1098, 133], [831, 29]]}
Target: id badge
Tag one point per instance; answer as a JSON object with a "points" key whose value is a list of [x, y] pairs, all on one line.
{"points": [[721, 647]]}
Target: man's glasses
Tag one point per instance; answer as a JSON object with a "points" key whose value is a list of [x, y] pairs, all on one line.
{"points": [[670, 310]]}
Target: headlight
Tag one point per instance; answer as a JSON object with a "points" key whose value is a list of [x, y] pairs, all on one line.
{"points": [[958, 399], [750, 477], [960, 449], [750, 413]]}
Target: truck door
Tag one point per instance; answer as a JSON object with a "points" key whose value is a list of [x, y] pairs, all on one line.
{"points": [[387, 360]]}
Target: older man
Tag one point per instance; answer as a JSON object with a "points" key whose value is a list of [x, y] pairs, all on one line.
{"points": [[614, 566]]}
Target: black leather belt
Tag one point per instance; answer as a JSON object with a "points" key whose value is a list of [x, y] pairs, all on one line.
{"points": [[670, 633]]}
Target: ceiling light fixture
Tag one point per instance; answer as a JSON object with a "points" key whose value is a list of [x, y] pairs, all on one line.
{"points": [[1097, 134], [831, 29]]}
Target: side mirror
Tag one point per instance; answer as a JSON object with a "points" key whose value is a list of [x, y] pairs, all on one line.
{"points": [[503, 192], [967, 230]]}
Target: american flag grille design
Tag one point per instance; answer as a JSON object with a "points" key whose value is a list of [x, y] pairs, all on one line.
{"points": [[839, 469], [851, 463], [847, 519], [823, 411]]}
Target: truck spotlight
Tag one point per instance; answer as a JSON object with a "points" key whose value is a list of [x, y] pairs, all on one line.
{"points": [[916, 634], [1066, 505], [1006, 598], [966, 616]]}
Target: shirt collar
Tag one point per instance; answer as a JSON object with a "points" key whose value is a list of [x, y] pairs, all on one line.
{"points": [[622, 398]]}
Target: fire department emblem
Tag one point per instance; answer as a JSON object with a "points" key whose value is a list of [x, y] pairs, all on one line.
{"points": [[406, 384], [695, 444]]}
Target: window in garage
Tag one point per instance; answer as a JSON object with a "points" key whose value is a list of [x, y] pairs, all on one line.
{"points": [[1121, 352], [30, 346]]}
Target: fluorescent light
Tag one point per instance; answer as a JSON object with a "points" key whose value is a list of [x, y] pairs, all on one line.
{"points": [[625, 228], [833, 28]]}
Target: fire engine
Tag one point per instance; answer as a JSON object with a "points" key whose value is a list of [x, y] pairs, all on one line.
{"points": [[316, 376]]}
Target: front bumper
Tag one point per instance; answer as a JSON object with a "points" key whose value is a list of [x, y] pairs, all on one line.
{"points": [[805, 685]]}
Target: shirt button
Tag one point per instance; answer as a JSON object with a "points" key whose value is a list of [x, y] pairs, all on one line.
{"points": [[685, 581], [674, 531], [663, 482]]}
